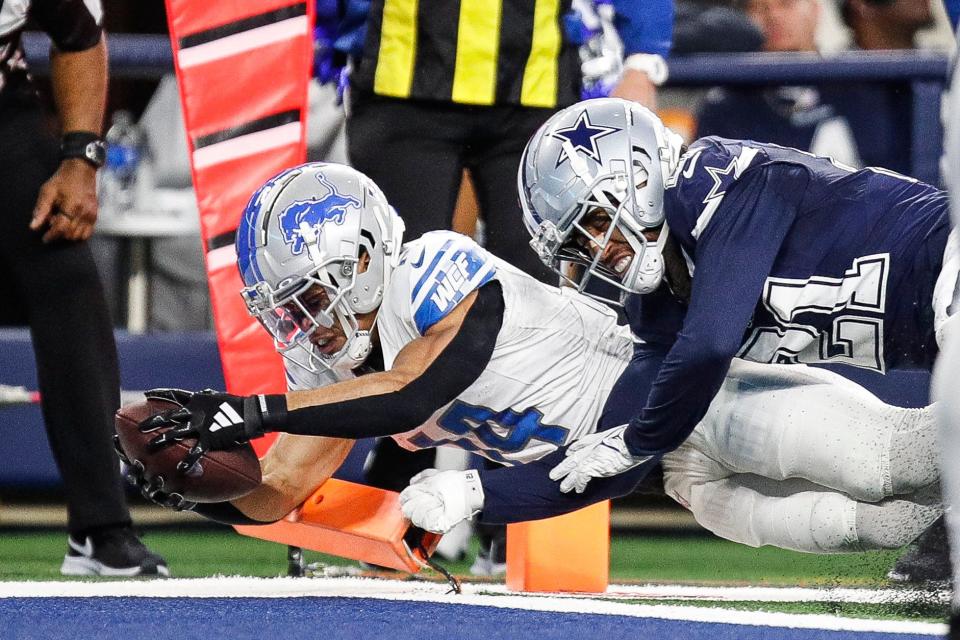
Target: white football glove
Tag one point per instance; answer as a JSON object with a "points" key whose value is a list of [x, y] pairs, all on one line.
{"points": [[598, 455], [439, 500]]}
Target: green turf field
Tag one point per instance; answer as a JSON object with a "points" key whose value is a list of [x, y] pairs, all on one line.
{"points": [[196, 552], [202, 552]]}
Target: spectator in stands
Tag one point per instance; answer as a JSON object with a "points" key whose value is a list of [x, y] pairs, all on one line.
{"points": [[51, 282], [886, 24], [714, 26], [858, 124]]}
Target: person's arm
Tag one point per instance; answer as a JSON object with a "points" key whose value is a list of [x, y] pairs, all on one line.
{"points": [[646, 30], [523, 493], [67, 203], [427, 374], [735, 254], [293, 468]]}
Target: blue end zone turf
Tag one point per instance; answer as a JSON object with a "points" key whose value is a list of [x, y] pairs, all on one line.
{"points": [[353, 618]]}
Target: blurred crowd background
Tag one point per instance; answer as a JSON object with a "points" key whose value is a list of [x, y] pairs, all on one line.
{"points": [[859, 123]]}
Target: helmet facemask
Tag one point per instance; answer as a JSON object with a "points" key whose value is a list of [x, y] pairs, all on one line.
{"points": [[296, 310], [575, 254]]}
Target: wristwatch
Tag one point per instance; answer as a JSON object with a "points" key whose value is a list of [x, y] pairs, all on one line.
{"points": [[651, 64], [84, 145]]}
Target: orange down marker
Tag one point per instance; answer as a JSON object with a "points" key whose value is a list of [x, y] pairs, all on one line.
{"points": [[566, 553], [351, 521]]}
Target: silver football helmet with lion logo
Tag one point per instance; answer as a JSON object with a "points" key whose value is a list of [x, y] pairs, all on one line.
{"points": [[607, 154], [316, 246]]}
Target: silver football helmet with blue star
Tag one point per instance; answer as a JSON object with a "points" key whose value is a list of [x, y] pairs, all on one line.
{"points": [[607, 154], [301, 244]]}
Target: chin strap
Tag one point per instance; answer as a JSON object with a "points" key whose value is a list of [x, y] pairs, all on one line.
{"points": [[646, 274], [357, 350]]}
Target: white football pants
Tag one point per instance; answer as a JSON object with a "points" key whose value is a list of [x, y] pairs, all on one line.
{"points": [[801, 458]]}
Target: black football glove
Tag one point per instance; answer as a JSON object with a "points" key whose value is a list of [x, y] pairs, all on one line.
{"points": [[218, 421], [151, 489]]}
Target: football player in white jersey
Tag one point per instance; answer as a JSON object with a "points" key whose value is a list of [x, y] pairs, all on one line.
{"points": [[478, 355]]}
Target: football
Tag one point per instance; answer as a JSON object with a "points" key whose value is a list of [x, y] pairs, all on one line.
{"points": [[219, 476]]}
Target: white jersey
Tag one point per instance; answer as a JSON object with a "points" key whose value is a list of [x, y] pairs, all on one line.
{"points": [[556, 358]]}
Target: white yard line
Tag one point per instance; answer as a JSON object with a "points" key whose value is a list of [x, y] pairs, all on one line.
{"points": [[773, 594], [497, 596]]}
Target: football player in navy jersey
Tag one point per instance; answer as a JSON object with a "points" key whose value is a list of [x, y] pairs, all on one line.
{"points": [[730, 248]]}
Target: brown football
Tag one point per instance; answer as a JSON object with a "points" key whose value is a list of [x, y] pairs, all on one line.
{"points": [[221, 475]]}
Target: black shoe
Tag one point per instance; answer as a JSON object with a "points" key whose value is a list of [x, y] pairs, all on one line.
{"points": [[926, 560], [115, 552]]}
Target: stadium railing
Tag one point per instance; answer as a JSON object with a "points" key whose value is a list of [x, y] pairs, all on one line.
{"points": [[143, 56]]}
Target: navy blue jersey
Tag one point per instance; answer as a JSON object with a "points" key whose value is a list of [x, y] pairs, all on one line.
{"points": [[796, 260]]}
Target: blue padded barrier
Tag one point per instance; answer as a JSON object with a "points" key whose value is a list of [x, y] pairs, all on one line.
{"points": [[186, 360]]}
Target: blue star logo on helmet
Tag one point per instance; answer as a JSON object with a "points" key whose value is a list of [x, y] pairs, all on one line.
{"points": [[582, 136], [314, 212]]}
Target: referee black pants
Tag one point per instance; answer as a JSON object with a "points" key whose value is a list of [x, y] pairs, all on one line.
{"points": [[416, 152], [56, 289]]}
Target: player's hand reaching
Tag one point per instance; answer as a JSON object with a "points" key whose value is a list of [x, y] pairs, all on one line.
{"points": [[439, 500], [217, 420], [598, 455], [152, 489]]}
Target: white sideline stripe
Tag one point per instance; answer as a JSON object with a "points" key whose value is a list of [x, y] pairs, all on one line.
{"points": [[474, 594], [243, 41], [773, 594], [247, 145]]}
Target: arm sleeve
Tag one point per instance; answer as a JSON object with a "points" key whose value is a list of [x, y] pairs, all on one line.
{"points": [[645, 26], [525, 492], [224, 513], [73, 25], [735, 254], [455, 369]]}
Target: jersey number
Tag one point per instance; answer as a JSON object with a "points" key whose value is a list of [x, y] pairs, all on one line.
{"points": [[506, 431], [852, 305]]}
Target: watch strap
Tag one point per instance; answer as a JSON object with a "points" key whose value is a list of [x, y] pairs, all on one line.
{"points": [[84, 145], [649, 63]]}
